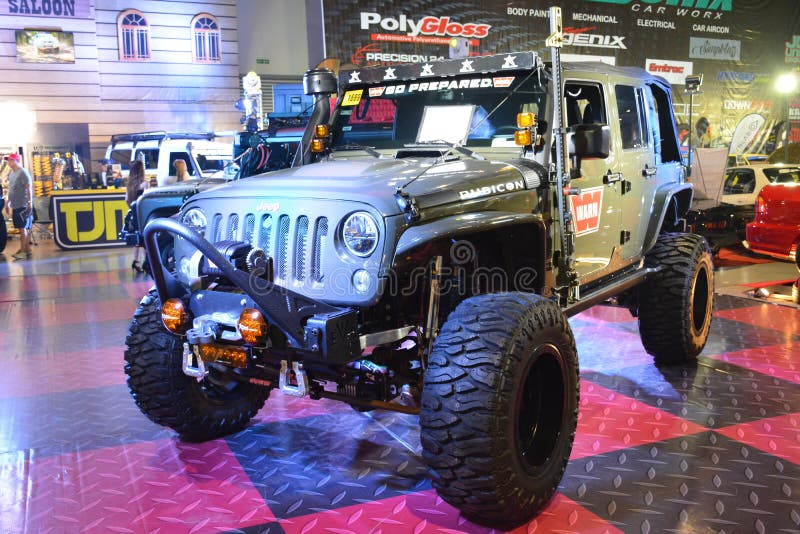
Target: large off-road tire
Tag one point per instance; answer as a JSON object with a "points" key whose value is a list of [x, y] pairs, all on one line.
{"points": [[675, 304], [197, 410], [500, 406]]}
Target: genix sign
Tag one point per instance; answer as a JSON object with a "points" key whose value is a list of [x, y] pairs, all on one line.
{"points": [[675, 72], [586, 37]]}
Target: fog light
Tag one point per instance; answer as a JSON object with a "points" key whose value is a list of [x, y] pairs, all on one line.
{"points": [[523, 137], [361, 281], [317, 146], [174, 316], [525, 120], [253, 327], [321, 130], [184, 266]]}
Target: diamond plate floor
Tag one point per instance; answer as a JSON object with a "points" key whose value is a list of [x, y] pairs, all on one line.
{"points": [[708, 448]]}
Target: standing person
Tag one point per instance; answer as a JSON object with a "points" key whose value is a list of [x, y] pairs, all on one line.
{"points": [[136, 186], [20, 203]]}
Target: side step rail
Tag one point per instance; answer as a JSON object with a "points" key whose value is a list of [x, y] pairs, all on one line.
{"points": [[613, 288]]}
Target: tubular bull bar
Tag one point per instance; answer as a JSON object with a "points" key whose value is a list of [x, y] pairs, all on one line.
{"points": [[313, 329]]}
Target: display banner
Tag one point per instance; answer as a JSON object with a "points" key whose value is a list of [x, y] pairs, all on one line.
{"points": [[745, 133], [35, 46], [88, 220], [739, 46]]}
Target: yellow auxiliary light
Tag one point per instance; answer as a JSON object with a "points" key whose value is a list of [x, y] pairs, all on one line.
{"points": [[321, 130], [233, 356], [526, 120], [317, 146], [523, 137], [174, 316], [253, 326]]}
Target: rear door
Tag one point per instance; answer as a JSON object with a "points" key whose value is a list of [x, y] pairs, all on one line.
{"points": [[641, 165]]}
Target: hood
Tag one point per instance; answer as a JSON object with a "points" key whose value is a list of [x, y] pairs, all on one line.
{"points": [[429, 181], [190, 186]]}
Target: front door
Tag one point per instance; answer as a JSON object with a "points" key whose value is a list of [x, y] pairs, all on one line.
{"points": [[595, 211]]}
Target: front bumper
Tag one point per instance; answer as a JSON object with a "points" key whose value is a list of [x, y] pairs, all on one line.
{"points": [[313, 329]]}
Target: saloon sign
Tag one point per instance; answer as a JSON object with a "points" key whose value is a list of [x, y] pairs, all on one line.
{"points": [[78, 9]]}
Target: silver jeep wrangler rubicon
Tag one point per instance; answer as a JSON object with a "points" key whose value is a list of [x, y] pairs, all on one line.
{"points": [[423, 256]]}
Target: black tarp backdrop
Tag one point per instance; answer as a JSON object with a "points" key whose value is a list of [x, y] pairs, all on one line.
{"points": [[739, 46]]}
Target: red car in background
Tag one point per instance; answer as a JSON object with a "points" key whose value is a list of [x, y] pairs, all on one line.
{"points": [[776, 229]]}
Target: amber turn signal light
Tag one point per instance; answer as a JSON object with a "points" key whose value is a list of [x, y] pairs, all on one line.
{"points": [[253, 327], [234, 356], [525, 120], [321, 130], [174, 316], [523, 137], [317, 146]]}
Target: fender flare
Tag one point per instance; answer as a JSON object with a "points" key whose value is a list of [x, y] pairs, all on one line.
{"points": [[463, 224], [672, 197]]}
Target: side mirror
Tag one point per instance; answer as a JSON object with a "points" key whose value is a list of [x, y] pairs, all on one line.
{"points": [[589, 141]]}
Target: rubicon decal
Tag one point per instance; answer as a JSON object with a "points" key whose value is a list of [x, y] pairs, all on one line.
{"points": [[493, 189], [438, 26], [586, 210]]}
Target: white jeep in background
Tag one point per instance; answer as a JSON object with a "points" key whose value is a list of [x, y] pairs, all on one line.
{"points": [[204, 156]]}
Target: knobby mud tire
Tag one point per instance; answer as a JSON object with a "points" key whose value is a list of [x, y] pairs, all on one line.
{"points": [[675, 305], [499, 407], [196, 410]]}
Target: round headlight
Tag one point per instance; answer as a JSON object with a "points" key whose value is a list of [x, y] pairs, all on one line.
{"points": [[196, 220], [360, 233]]}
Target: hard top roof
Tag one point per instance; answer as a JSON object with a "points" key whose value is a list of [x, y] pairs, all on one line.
{"points": [[160, 136], [597, 67], [491, 64]]}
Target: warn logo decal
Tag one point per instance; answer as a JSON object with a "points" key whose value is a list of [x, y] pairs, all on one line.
{"points": [[586, 209]]}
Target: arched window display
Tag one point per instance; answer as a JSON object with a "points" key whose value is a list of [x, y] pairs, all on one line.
{"points": [[134, 36], [206, 39]]}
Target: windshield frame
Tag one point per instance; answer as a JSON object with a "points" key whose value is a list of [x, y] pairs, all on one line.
{"points": [[494, 101]]}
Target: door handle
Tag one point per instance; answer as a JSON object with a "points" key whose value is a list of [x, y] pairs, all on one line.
{"points": [[612, 177], [649, 171]]}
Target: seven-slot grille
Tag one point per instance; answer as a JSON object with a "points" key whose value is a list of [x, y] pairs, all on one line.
{"points": [[296, 245]]}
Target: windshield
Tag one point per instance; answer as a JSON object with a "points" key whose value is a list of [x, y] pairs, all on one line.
{"points": [[211, 164], [739, 182], [389, 116]]}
